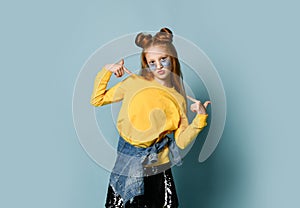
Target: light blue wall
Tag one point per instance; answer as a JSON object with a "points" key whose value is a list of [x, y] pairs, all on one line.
{"points": [[254, 46]]}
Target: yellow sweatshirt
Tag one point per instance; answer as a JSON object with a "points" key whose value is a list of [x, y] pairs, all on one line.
{"points": [[149, 111]]}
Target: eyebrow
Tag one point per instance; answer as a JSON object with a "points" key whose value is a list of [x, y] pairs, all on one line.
{"points": [[164, 56]]}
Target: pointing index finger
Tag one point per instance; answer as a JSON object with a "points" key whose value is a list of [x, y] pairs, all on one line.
{"points": [[192, 99], [127, 71]]}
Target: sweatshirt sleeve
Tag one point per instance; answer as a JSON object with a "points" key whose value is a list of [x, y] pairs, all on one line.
{"points": [[186, 132], [102, 96]]}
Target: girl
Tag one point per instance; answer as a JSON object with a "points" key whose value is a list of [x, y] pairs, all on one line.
{"points": [[153, 105]]}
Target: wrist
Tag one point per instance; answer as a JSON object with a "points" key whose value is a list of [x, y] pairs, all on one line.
{"points": [[202, 112], [108, 67], [104, 68]]}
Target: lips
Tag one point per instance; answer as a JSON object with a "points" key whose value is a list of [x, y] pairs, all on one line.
{"points": [[160, 72]]}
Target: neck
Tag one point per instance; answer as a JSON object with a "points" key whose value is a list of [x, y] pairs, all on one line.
{"points": [[166, 83]]}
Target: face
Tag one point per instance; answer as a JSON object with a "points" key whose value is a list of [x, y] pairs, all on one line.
{"points": [[159, 63]]}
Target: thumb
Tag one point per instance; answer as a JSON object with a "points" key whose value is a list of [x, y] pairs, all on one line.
{"points": [[206, 103], [121, 62]]}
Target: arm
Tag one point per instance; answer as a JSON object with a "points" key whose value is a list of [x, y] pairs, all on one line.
{"points": [[101, 95], [186, 132]]}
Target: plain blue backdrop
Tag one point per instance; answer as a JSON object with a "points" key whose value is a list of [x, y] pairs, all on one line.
{"points": [[254, 46]]}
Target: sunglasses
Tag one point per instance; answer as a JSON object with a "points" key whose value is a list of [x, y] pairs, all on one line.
{"points": [[165, 62]]}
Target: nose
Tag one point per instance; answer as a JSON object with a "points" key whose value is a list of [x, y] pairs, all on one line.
{"points": [[159, 65]]}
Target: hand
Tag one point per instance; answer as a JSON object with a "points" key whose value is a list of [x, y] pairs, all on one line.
{"points": [[118, 69], [197, 106]]}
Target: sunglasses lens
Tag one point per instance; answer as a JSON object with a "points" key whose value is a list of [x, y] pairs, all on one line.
{"points": [[165, 62], [152, 67]]}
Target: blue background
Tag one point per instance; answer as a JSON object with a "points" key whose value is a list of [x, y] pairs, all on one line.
{"points": [[254, 46]]}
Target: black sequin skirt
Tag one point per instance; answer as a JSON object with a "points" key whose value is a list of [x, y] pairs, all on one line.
{"points": [[159, 192]]}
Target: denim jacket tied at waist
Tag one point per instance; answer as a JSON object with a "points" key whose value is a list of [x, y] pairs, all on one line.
{"points": [[127, 175]]}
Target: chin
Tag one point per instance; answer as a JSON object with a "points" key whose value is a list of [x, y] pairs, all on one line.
{"points": [[162, 76]]}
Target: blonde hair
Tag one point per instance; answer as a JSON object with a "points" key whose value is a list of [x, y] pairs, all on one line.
{"points": [[162, 39]]}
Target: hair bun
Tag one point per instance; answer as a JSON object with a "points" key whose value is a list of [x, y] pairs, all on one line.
{"points": [[166, 30], [164, 35], [143, 40]]}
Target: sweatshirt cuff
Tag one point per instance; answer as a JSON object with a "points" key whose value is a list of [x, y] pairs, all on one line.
{"points": [[103, 76], [106, 70], [200, 120]]}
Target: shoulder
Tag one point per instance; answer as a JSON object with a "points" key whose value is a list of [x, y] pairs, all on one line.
{"points": [[181, 100], [178, 96], [134, 79]]}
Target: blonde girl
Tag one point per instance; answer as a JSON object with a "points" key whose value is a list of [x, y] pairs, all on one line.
{"points": [[153, 107]]}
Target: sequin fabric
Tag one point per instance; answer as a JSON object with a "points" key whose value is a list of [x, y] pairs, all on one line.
{"points": [[160, 192]]}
